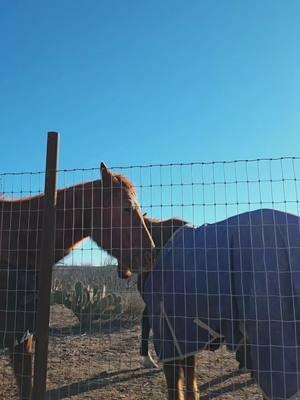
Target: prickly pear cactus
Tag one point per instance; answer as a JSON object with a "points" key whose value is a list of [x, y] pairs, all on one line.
{"points": [[59, 293], [57, 297], [107, 308], [88, 304]]}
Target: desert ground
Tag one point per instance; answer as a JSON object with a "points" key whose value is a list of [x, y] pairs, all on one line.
{"points": [[104, 363]]}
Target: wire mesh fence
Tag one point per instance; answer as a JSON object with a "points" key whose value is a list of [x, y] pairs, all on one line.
{"points": [[237, 276]]}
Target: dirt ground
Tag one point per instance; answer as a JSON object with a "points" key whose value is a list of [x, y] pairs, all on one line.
{"points": [[105, 364]]}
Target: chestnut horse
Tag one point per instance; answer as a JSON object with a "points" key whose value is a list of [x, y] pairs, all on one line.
{"points": [[178, 370], [105, 210]]}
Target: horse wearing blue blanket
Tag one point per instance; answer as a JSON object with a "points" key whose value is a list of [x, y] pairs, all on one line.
{"points": [[238, 282]]}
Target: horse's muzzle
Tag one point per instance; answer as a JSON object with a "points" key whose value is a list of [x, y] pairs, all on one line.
{"points": [[124, 273], [140, 263]]}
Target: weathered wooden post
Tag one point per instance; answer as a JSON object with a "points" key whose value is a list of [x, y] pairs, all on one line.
{"points": [[47, 260]]}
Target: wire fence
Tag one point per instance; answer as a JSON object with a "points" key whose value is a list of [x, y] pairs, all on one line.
{"points": [[237, 276]]}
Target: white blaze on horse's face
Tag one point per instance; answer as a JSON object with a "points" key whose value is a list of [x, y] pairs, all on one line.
{"points": [[124, 233]]}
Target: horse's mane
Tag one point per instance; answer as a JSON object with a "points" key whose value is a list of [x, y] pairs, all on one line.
{"points": [[6, 199], [126, 182], [172, 220]]}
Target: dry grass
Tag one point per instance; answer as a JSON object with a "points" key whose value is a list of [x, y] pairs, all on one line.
{"points": [[103, 361], [105, 364]]}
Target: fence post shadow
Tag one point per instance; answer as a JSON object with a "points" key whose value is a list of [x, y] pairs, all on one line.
{"points": [[231, 387], [102, 380]]}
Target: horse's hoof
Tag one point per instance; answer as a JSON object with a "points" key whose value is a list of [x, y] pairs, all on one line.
{"points": [[148, 362]]}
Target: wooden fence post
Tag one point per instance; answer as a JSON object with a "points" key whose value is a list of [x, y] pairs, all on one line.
{"points": [[47, 260]]}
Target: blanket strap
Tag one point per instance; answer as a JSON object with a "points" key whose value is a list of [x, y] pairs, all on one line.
{"points": [[215, 335], [163, 315], [203, 325]]}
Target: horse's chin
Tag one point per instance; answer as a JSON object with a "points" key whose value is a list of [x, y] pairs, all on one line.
{"points": [[125, 274], [128, 274]]}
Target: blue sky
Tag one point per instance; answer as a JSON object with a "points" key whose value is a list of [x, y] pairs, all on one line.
{"points": [[135, 82], [143, 82]]}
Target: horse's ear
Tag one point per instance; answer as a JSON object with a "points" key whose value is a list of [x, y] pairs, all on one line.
{"points": [[103, 166], [107, 176]]}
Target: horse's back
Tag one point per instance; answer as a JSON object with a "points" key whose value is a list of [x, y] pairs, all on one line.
{"points": [[239, 277]]}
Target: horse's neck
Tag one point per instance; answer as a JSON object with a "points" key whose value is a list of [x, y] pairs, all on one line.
{"points": [[74, 217], [21, 225], [162, 231]]}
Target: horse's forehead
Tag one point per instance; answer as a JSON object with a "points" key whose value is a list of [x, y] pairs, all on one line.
{"points": [[130, 197], [126, 186]]}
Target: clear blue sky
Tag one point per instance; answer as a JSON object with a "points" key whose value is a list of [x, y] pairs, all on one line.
{"points": [[142, 82], [135, 82]]}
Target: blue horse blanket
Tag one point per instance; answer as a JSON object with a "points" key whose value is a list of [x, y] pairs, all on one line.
{"points": [[236, 281]]}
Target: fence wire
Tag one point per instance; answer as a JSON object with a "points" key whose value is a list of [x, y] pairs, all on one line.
{"points": [[249, 262]]}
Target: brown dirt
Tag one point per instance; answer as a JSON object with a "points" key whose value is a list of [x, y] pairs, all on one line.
{"points": [[105, 364]]}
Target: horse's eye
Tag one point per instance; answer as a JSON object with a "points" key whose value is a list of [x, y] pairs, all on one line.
{"points": [[144, 215]]}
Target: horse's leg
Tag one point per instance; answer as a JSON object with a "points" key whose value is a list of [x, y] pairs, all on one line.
{"points": [[21, 358], [174, 376], [147, 360], [192, 392]]}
